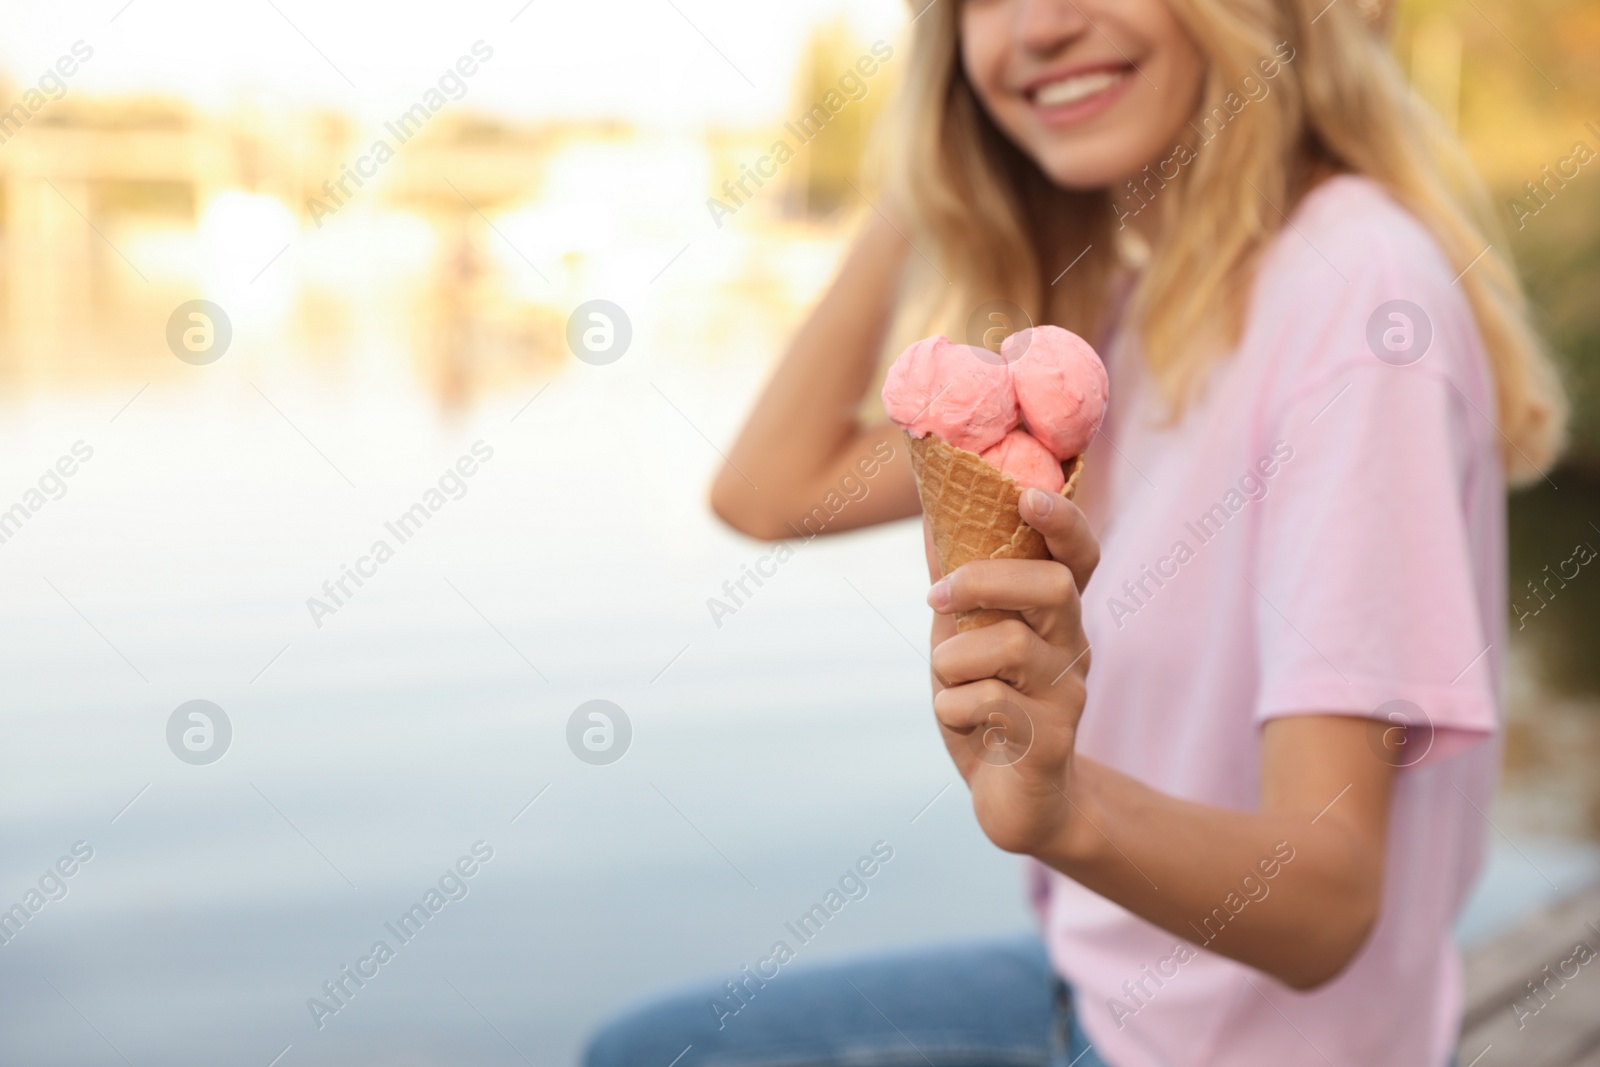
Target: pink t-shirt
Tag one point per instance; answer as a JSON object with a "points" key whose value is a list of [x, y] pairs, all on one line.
{"points": [[1323, 532]]}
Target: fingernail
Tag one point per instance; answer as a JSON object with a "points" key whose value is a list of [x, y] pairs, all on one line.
{"points": [[939, 595], [1039, 502]]}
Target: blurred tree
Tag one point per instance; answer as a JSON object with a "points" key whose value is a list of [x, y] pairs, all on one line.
{"points": [[1518, 80], [833, 158]]}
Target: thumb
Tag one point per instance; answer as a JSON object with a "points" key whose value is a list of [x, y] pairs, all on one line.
{"points": [[1066, 532]]}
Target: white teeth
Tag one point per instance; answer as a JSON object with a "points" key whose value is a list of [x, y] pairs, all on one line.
{"points": [[1071, 90]]}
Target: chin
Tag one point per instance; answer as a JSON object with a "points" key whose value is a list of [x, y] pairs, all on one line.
{"points": [[1086, 168]]}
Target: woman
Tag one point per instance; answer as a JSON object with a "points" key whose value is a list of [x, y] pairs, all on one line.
{"points": [[1254, 819]]}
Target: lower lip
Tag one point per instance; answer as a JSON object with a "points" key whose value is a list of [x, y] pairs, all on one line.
{"points": [[1083, 110]]}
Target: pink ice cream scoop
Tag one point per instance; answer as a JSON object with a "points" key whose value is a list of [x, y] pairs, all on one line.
{"points": [[1060, 385], [1028, 462], [951, 391]]}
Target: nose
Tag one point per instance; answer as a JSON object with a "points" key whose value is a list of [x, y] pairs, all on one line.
{"points": [[1044, 26]]}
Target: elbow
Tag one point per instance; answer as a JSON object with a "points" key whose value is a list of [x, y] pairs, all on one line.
{"points": [[735, 503], [1327, 956]]}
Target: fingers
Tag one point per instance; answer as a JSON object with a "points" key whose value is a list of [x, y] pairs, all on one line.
{"points": [[1010, 584], [1065, 530], [1008, 650], [1042, 590], [965, 707], [1014, 653]]}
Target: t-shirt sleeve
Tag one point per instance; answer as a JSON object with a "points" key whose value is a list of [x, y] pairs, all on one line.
{"points": [[1367, 593]]}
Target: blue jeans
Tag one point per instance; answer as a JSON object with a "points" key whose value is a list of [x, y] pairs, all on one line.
{"points": [[984, 1004]]}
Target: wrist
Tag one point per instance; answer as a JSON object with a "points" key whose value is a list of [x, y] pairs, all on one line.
{"points": [[1078, 842]]}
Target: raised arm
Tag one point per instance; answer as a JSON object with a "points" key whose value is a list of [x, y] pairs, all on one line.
{"points": [[803, 438]]}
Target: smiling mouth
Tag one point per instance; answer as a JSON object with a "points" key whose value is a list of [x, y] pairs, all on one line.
{"points": [[1078, 88]]}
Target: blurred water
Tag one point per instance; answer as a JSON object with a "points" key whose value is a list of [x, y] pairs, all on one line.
{"points": [[369, 754], [769, 752]]}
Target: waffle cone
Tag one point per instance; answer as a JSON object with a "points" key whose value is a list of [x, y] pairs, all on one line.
{"points": [[972, 510]]}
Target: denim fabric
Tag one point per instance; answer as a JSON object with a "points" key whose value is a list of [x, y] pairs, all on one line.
{"points": [[984, 1004]]}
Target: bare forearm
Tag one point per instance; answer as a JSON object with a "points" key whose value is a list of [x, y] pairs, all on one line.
{"points": [[1291, 893], [804, 434], [1291, 887]]}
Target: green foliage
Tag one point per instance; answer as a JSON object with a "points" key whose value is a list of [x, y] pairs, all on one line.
{"points": [[1559, 616], [1519, 81]]}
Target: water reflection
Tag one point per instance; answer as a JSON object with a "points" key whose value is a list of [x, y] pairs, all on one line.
{"points": [[463, 255]]}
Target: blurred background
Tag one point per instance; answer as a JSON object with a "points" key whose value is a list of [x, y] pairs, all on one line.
{"points": [[359, 340]]}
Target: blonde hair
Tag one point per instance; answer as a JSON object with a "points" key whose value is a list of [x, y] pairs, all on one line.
{"points": [[1002, 230]]}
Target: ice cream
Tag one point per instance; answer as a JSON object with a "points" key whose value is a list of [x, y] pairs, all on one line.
{"points": [[961, 412], [1060, 385], [949, 390], [1028, 462]]}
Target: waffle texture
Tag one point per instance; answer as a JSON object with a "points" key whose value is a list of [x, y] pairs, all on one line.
{"points": [[972, 510]]}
